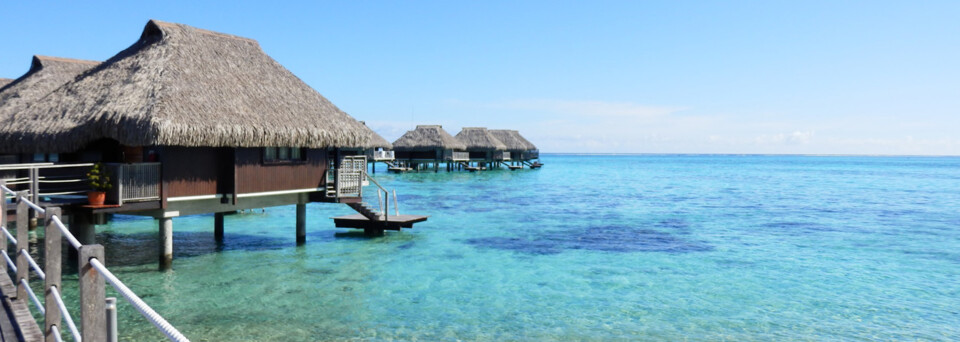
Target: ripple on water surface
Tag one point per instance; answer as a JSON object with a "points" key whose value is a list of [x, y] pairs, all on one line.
{"points": [[589, 247]]}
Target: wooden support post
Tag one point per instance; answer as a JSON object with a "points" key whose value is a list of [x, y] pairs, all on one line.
{"points": [[301, 223], [52, 265], [218, 227], [83, 228], [93, 318], [23, 243], [166, 243]]}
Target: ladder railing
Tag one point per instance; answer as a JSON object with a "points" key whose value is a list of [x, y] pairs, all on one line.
{"points": [[92, 275]]}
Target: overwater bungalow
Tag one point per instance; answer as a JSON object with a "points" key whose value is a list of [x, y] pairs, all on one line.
{"points": [[45, 75], [520, 151], [483, 148], [428, 145], [190, 121]]}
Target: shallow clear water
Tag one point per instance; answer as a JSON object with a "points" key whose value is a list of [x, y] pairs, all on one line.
{"points": [[652, 247]]}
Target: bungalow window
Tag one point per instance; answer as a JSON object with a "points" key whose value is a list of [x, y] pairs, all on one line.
{"points": [[43, 157], [282, 154]]}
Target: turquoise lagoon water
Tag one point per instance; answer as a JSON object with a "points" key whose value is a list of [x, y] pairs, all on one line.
{"points": [[649, 247]]}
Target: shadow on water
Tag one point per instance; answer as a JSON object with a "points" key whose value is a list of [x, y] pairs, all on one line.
{"points": [[607, 238]]}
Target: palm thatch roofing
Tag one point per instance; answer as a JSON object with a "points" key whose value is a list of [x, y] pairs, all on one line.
{"points": [[513, 140], [5, 81], [479, 138], [427, 137], [376, 141], [183, 86], [45, 75]]}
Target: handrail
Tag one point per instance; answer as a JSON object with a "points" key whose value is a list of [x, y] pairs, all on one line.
{"points": [[66, 233], [33, 264], [10, 263], [40, 166], [385, 204], [33, 296], [66, 315], [53, 215], [152, 316], [9, 236]]}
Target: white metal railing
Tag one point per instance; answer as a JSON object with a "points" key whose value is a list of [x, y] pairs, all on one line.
{"points": [[92, 304], [381, 155], [505, 156], [460, 156], [34, 180], [383, 200], [134, 182]]}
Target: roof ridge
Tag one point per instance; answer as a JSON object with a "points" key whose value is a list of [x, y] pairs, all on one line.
{"points": [[64, 59], [165, 24]]}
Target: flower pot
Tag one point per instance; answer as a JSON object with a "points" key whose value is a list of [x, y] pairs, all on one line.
{"points": [[96, 197]]}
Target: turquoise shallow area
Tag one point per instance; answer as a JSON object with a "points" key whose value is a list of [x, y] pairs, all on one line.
{"points": [[651, 247]]}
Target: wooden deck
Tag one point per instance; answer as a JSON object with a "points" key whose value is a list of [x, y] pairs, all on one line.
{"points": [[393, 222], [17, 323]]}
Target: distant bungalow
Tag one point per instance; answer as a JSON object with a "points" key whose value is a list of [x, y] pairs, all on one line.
{"points": [[520, 151], [194, 121], [45, 75], [426, 145], [484, 149]]}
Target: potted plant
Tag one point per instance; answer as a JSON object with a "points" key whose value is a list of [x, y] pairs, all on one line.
{"points": [[99, 180]]}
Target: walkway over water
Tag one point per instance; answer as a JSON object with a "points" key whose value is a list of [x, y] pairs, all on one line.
{"points": [[97, 313]]}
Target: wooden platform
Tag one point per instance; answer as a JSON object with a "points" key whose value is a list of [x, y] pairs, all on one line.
{"points": [[16, 323], [515, 167], [394, 222], [399, 169]]}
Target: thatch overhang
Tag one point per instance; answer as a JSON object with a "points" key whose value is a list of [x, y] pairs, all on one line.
{"points": [[183, 86], [479, 138], [45, 75], [375, 140], [427, 138], [513, 140]]}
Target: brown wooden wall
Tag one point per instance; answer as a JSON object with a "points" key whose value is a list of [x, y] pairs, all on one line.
{"points": [[252, 175], [192, 171]]}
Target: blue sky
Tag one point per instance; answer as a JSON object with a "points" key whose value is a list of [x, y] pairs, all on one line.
{"points": [[813, 77]]}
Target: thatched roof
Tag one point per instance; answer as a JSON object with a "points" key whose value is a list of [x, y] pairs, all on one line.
{"points": [[479, 138], [45, 75], [183, 86], [427, 137], [4, 81], [513, 140], [375, 140]]}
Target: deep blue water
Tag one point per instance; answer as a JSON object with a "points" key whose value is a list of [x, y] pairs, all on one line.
{"points": [[648, 247]]}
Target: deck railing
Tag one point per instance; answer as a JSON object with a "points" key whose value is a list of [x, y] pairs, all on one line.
{"points": [[457, 156], [381, 155], [93, 274], [60, 179], [134, 182]]}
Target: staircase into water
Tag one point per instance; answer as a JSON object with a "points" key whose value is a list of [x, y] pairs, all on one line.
{"points": [[346, 184]]}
